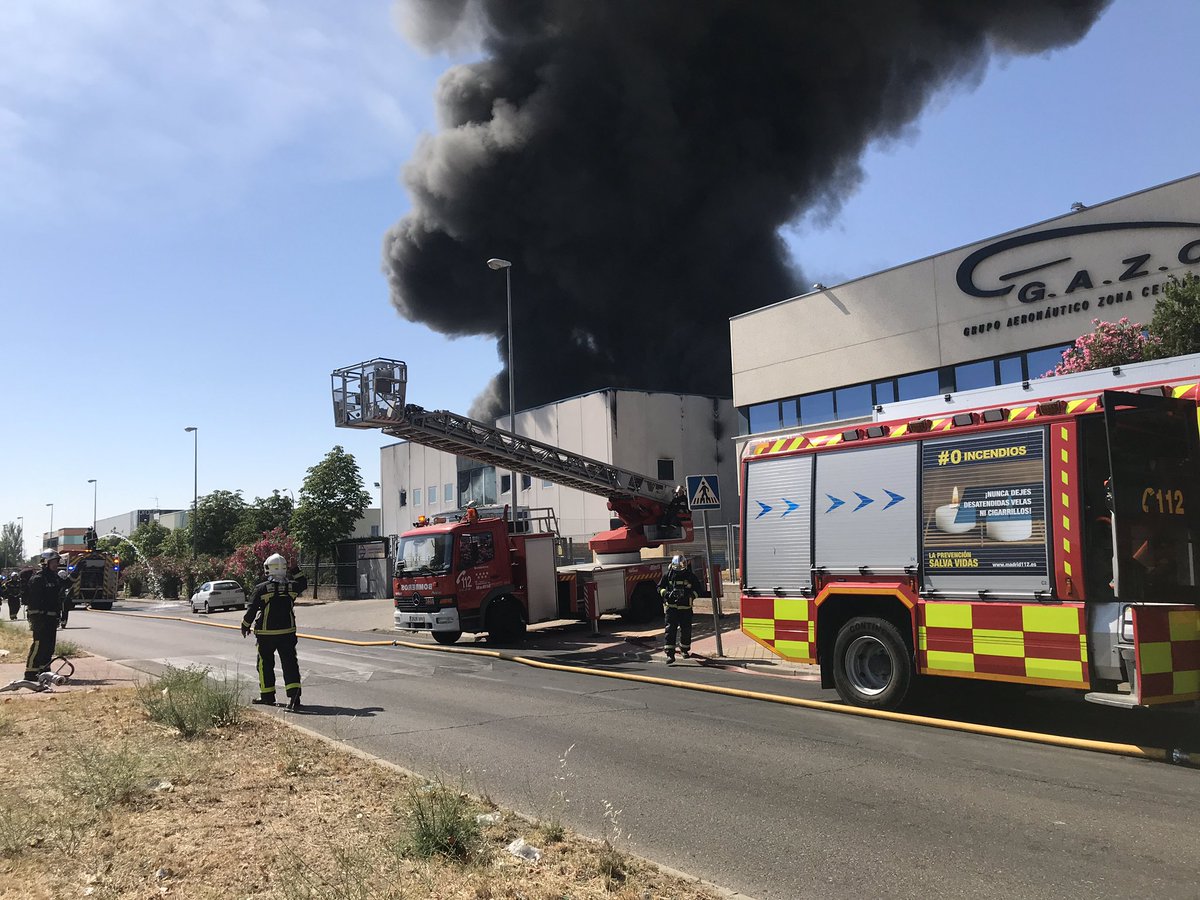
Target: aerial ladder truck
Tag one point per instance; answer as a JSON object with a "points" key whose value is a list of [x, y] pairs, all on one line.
{"points": [[497, 575]]}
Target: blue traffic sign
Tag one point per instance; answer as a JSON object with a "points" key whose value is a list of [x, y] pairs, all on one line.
{"points": [[703, 492]]}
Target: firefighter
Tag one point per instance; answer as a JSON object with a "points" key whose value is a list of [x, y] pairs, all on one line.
{"points": [[678, 587], [272, 615], [12, 593], [43, 596]]}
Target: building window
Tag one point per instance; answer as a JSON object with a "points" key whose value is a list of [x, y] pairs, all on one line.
{"points": [[764, 417], [666, 470], [404, 498], [416, 496], [448, 493], [1012, 369], [885, 391], [526, 482], [374, 531], [546, 482], [789, 413], [852, 402], [432, 494], [505, 483], [1042, 362], [971, 376], [816, 408], [921, 384]]}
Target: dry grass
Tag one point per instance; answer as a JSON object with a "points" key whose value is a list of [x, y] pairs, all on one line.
{"points": [[103, 803], [14, 637]]}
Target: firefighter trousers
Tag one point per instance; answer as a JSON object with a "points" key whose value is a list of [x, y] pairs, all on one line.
{"points": [[285, 646], [41, 651], [679, 619], [14, 607]]}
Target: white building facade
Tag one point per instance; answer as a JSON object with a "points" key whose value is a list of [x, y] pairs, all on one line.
{"points": [[664, 436], [1000, 311]]}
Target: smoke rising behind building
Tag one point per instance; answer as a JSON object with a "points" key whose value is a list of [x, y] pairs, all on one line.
{"points": [[636, 160]]}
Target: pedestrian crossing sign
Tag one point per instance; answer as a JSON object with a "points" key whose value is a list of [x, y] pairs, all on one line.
{"points": [[703, 492]]}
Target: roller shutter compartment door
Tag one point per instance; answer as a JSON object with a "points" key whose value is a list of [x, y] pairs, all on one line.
{"points": [[779, 524], [866, 510]]}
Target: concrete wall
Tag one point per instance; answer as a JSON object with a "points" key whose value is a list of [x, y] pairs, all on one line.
{"points": [[927, 314]]}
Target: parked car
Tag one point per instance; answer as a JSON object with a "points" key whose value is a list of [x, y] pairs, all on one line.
{"points": [[218, 595]]}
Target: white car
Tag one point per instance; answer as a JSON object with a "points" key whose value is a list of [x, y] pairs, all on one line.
{"points": [[218, 595]]}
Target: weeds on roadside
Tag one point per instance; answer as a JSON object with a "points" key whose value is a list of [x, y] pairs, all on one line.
{"points": [[349, 877], [67, 648], [612, 862], [552, 828], [106, 777], [192, 702], [16, 824], [441, 822]]}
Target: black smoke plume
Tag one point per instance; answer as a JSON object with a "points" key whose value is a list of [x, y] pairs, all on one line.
{"points": [[635, 159]]}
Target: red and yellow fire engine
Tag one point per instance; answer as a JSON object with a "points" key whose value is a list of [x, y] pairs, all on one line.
{"points": [[1047, 543]]}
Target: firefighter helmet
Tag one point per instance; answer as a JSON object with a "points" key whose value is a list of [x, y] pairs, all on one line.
{"points": [[677, 563], [276, 567], [49, 556]]}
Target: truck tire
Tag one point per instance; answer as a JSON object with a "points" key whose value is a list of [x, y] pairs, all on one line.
{"points": [[872, 666], [505, 621], [101, 604], [644, 605], [446, 637]]}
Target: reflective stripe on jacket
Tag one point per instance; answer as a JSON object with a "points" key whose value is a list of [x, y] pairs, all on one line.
{"points": [[271, 609]]}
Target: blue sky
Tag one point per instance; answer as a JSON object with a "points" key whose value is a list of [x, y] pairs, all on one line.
{"points": [[193, 198]]}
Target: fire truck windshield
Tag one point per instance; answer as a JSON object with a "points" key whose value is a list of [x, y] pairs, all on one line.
{"points": [[425, 554]]}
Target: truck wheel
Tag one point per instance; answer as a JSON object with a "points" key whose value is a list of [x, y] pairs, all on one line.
{"points": [[644, 605], [446, 637], [872, 666], [505, 623], [107, 604]]}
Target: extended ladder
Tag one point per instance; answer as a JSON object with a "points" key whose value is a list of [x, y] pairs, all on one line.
{"points": [[372, 395]]}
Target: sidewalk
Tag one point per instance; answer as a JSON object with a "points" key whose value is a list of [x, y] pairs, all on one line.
{"points": [[92, 673]]}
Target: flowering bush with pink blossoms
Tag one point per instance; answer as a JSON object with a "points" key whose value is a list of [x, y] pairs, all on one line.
{"points": [[1110, 344], [246, 563]]}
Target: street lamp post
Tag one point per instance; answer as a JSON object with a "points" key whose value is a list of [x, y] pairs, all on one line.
{"points": [[382, 529], [495, 265], [21, 527], [195, 480], [92, 482], [51, 505]]}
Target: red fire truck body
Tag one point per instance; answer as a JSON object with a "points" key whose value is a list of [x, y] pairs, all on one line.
{"points": [[1049, 543], [496, 575]]}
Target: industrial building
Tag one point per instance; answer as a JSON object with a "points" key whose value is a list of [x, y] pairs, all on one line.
{"points": [[998, 311]]}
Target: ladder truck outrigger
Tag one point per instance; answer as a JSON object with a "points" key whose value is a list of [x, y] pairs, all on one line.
{"points": [[490, 574], [1051, 541]]}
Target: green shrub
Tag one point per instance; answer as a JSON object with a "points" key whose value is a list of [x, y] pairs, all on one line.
{"points": [[442, 823], [192, 702]]}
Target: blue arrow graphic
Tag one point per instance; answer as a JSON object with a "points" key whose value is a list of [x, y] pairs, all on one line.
{"points": [[792, 507], [836, 503], [862, 501], [896, 498], [765, 509]]}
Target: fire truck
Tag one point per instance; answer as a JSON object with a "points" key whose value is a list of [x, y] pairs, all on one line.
{"points": [[1043, 542], [496, 575], [93, 579]]}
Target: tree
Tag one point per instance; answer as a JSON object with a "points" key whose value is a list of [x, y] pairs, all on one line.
{"points": [[332, 499], [12, 547], [1176, 322], [149, 537], [263, 515], [217, 515], [246, 563], [1110, 344]]}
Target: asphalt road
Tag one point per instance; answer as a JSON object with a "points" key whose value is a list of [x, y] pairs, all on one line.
{"points": [[774, 801]]}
